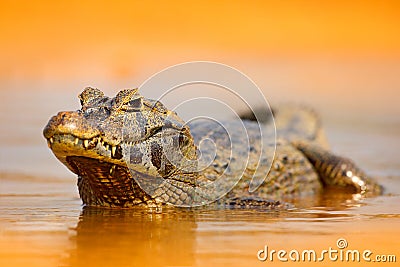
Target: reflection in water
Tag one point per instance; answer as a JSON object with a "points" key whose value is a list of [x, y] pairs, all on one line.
{"points": [[106, 237], [45, 229]]}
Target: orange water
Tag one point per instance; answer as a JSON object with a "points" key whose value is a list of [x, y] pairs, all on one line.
{"points": [[44, 225], [42, 222]]}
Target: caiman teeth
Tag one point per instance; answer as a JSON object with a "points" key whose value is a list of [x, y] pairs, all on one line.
{"points": [[115, 150], [112, 169]]}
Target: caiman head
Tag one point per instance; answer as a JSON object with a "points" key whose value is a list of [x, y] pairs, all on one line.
{"points": [[100, 140]]}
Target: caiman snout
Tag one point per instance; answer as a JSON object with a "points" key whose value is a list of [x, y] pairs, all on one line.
{"points": [[70, 122]]}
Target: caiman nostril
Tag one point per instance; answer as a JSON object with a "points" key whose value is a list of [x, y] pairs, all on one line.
{"points": [[70, 122]]}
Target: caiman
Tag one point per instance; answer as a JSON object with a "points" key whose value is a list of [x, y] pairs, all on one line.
{"points": [[132, 151]]}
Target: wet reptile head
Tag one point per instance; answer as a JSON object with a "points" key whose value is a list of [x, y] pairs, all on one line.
{"points": [[106, 133]]}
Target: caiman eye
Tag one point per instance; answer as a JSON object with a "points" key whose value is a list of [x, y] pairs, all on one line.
{"points": [[134, 105]]}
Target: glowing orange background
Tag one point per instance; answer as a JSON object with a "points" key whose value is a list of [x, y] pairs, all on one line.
{"points": [[57, 36]]}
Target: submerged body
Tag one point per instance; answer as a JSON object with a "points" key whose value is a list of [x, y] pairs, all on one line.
{"points": [[130, 151]]}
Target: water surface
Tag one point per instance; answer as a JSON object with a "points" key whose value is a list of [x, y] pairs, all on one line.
{"points": [[42, 222]]}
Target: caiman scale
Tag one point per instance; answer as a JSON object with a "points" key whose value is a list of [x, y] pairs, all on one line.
{"points": [[120, 146]]}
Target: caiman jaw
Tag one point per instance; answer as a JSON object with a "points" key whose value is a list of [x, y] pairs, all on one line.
{"points": [[68, 145], [104, 179]]}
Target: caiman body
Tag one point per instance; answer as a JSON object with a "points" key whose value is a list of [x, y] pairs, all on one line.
{"points": [[129, 151]]}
